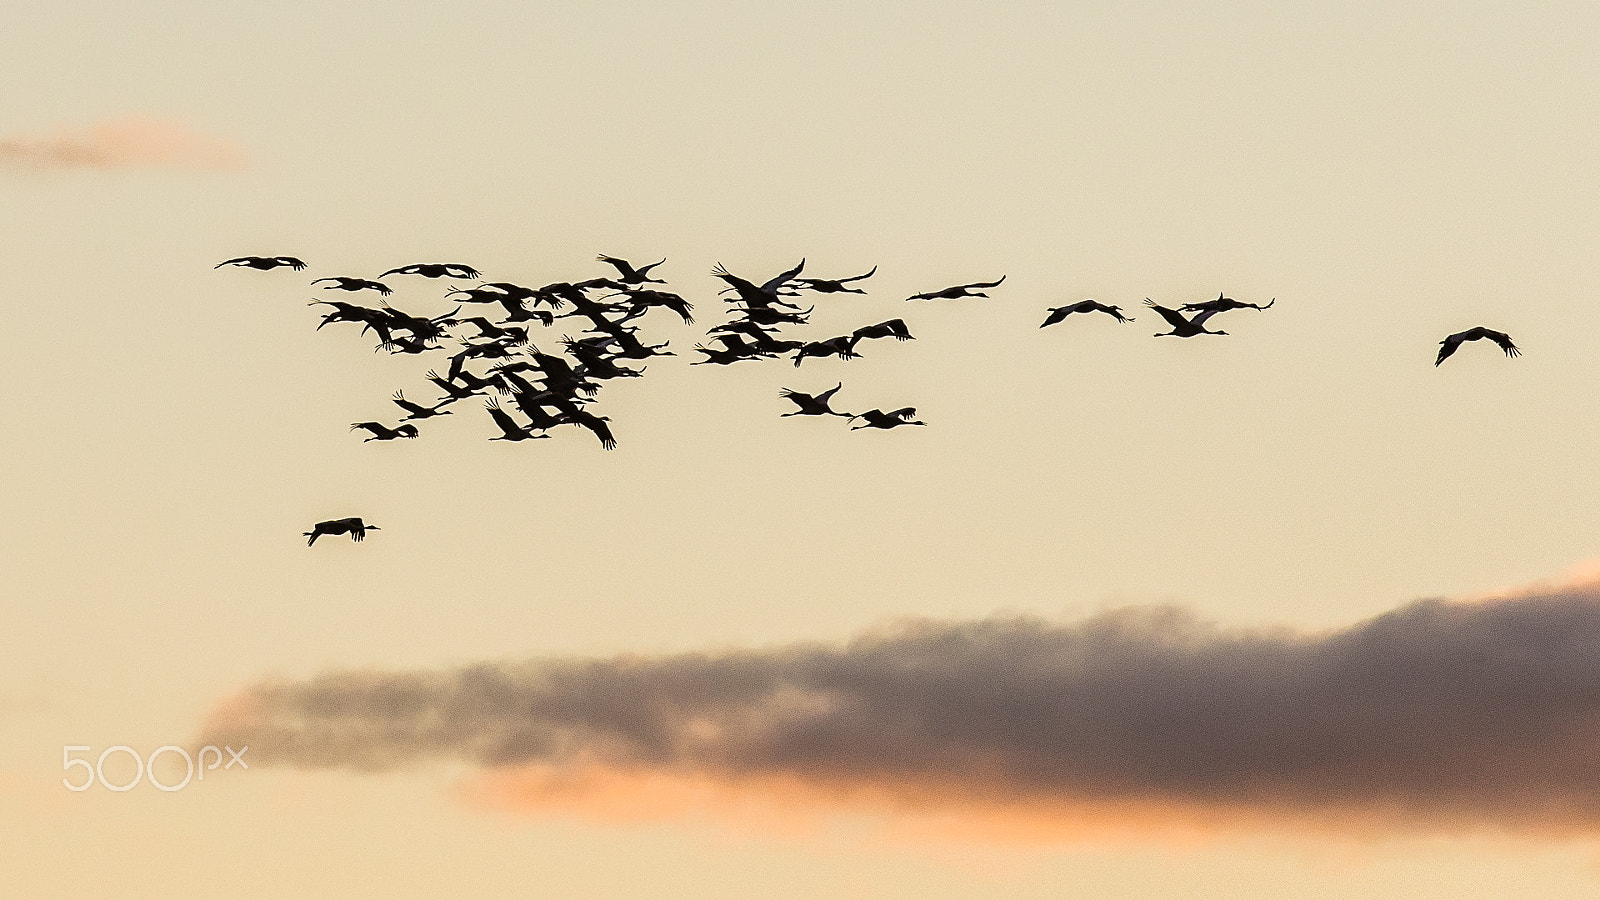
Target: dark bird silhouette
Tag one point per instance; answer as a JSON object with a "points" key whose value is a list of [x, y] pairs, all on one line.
{"points": [[453, 391], [1182, 327], [762, 342], [736, 350], [510, 430], [833, 285], [354, 284], [596, 424], [500, 348], [645, 299], [1223, 304], [488, 329], [1083, 306], [895, 328], [759, 296], [1449, 344], [630, 275], [843, 346], [417, 411], [435, 270], [812, 405], [262, 262], [376, 319], [352, 526], [405, 345], [960, 290], [380, 432], [877, 418], [763, 315]]}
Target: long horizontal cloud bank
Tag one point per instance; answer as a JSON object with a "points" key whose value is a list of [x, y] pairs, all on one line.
{"points": [[1438, 712], [132, 142]]}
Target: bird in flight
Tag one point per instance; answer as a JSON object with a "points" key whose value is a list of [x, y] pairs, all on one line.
{"points": [[354, 284], [960, 290], [833, 285], [262, 262], [630, 275], [877, 418], [436, 270], [1223, 304], [509, 429], [352, 526], [812, 405], [1449, 344], [1182, 327], [382, 433], [895, 328], [418, 411], [1059, 313], [760, 296]]}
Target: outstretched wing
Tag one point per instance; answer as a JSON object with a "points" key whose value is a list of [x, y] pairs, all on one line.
{"points": [[1504, 340], [1173, 317], [777, 282]]}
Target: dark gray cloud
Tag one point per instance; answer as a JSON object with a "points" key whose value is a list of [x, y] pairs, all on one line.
{"points": [[1438, 713]]}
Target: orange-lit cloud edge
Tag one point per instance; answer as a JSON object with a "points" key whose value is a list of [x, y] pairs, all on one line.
{"points": [[598, 787], [139, 141]]}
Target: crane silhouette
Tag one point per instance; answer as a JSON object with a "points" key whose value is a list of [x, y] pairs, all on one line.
{"points": [[833, 285], [1449, 344], [877, 418], [1223, 304], [1181, 326], [759, 296], [895, 328], [354, 284], [812, 405], [510, 430], [630, 275], [352, 526], [435, 270], [262, 262], [380, 432], [1059, 313], [417, 411], [960, 290]]}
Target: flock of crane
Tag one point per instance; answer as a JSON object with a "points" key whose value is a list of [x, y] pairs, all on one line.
{"points": [[548, 390]]}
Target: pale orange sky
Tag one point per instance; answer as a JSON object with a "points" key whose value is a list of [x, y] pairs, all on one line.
{"points": [[1391, 174]]}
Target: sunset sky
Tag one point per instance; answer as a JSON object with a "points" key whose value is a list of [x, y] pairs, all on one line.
{"points": [[1289, 612]]}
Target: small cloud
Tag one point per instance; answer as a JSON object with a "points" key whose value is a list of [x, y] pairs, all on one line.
{"points": [[126, 143]]}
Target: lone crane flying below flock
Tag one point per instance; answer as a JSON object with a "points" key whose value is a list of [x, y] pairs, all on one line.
{"points": [[352, 526], [1449, 344]]}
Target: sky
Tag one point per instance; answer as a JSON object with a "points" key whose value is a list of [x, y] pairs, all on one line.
{"points": [[1289, 612]]}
